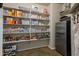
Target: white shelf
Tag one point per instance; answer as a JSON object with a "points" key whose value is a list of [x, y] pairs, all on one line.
{"points": [[17, 41], [16, 33], [27, 32], [44, 38], [40, 32], [28, 11], [16, 25], [16, 17], [39, 19], [24, 40], [24, 25], [38, 13], [4, 7], [41, 25], [27, 18]]}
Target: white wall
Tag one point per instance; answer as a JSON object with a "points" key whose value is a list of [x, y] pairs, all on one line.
{"points": [[1, 31], [55, 9]]}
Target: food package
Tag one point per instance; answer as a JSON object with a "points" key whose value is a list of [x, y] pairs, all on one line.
{"points": [[9, 12]]}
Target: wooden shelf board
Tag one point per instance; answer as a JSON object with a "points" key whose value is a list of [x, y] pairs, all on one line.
{"points": [[65, 13], [75, 6]]}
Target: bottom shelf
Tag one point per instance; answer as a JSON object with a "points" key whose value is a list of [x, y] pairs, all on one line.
{"points": [[9, 50]]}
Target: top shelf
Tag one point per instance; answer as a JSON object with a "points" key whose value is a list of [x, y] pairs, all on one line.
{"points": [[71, 10], [16, 9], [28, 11]]}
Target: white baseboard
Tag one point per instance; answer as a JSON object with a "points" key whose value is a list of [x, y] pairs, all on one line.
{"points": [[51, 48], [32, 48]]}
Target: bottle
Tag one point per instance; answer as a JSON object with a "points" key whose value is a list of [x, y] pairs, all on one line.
{"points": [[8, 20], [4, 21], [11, 20], [13, 13]]}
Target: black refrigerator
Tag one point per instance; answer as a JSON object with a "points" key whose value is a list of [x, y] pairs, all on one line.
{"points": [[63, 37]]}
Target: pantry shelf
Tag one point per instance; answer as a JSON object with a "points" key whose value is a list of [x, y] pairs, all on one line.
{"points": [[28, 32], [25, 40], [28, 11], [32, 12], [23, 24], [41, 32], [39, 13], [42, 14], [39, 19], [15, 25], [26, 18], [17, 17], [44, 39], [18, 41], [74, 7], [41, 25], [16, 33]]}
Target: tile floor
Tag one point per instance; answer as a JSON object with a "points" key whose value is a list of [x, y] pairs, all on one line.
{"points": [[44, 51]]}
